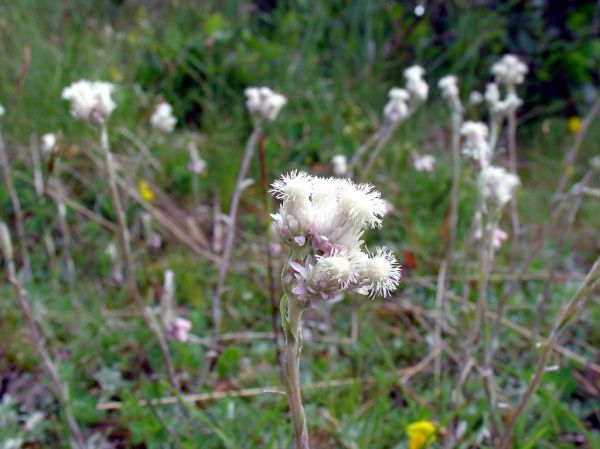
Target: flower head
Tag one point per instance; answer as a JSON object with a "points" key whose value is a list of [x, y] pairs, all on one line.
{"points": [[264, 102], [449, 87], [498, 237], [196, 164], [179, 329], [324, 219], [425, 162], [574, 124], [340, 165], [420, 434], [510, 70], [2, 110], [476, 145], [396, 108], [90, 100], [497, 186], [415, 84], [145, 191], [48, 142], [162, 119]]}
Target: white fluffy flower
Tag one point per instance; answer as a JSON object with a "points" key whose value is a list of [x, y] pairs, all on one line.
{"points": [[497, 186], [2, 110], [492, 93], [476, 145], [196, 164], [449, 87], [510, 70], [380, 273], [425, 162], [396, 108], [340, 165], [163, 119], [90, 100], [48, 142], [475, 97], [264, 102], [327, 217], [415, 83]]}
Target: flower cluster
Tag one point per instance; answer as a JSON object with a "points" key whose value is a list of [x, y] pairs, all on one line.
{"points": [[402, 101], [264, 102], [449, 87], [424, 162], [497, 106], [90, 100], [48, 142], [509, 71], [196, 165], [162, 119], [496, 186], [323, 221], [498, 235], [476, 144], [415, 84], [340, 165], [2, 110]]}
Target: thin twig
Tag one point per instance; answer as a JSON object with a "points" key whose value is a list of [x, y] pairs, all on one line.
{"points": [[232, 218], [568, 314], [60, 389]]}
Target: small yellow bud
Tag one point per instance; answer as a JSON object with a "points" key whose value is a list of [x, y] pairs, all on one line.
{"points": [[145, 191], [574, 124]]}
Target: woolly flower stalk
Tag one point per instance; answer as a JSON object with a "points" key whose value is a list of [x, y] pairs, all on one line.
{"points": [[264, 103], [415, 84], [509, 71], [340, 165], [496, 186], [196, 165], [163, 119], [476, 144], [396, 108], [90, 100], [326, 218], [322, 220]]}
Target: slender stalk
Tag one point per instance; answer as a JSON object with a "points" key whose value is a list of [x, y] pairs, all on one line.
{"points": [[60, 389], [230, 237], [363, 149], [512, 155], [568, 314], [572, 153], [264, 177], [453, 222], [124, 243], [16, 204], [386, 135], [292, 325]]}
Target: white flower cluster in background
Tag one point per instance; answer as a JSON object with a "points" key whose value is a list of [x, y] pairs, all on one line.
{"points": [[264, 102], [496, 186], [402, 102], [323, 221], [500, 107], [48, 142], [2, 110], [510, 70], [425, 162], [449, 87], [476, 145], [415, 84], [163, 119], [340, 165], [498, 236], [90, 100]]}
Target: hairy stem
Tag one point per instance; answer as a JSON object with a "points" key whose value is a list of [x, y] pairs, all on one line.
{"points": [[293, 345]]}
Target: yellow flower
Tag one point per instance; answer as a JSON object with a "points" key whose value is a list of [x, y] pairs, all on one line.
{"points": [[420, 434], [574, 124], [145, 191]]}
